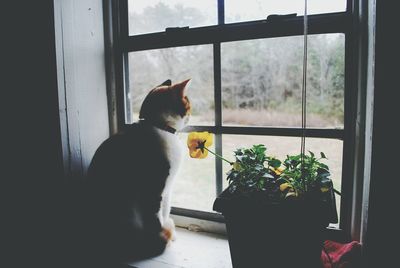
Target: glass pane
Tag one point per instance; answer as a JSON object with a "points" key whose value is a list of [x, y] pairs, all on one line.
{"points": [[262, 81], [148, 16], [150, 68], [239, 10], [282, 146], [334, 152], [194, 185]]}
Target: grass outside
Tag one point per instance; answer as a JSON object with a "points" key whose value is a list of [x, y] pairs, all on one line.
{"points": [[273, 118]]}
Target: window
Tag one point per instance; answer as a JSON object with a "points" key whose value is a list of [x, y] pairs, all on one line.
{"points": [[246, 72]]}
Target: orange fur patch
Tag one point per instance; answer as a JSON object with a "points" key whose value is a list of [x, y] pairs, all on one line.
{"points": [[166, 98], [166, 234]]}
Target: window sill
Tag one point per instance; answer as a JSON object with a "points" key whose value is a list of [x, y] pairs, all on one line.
{"points": [[191, 249]]}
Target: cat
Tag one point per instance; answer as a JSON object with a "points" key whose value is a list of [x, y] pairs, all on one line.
{"points": [[131, 175]]}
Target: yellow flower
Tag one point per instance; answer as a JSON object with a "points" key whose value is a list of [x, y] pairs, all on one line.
{"points": [[278, 171], [291, 194], [284, 186], [198, 142], [236, 166], [324, 189]]}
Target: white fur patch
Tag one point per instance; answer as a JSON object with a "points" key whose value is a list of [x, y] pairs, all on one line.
{"points": [[173, 150]]}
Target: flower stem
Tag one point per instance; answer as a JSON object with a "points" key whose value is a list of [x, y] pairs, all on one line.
{"points": [[217, 155]]}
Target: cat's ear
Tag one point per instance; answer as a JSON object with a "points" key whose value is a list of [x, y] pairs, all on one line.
{"points": [[181, 87], [166, 83]]}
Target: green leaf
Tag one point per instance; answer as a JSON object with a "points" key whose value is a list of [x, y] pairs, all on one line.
{"points": [[322, 165], [241, 158], [323, 173], [258, 167], [261, 184], [259, 149], [282, 180], [323, 156], [275, 163], [325, 180], [267, 175], [233, 175]]}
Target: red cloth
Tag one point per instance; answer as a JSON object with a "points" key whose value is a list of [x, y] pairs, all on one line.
{"points": [[346, 255]]}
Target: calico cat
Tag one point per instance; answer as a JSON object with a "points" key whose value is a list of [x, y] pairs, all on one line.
{"points": [[131, 175]]}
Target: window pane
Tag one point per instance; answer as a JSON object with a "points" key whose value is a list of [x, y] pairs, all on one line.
{"points": [[282, 146], [262, 81], [239, 10], [194, 185], [150, 68], [334, 152], [148, 16]]}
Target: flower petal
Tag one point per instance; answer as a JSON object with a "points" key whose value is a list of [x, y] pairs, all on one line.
{"points": [[284, 186], [236, 166], [196, 142], [200, 136], [290, 194], [209, 139], [197, 153], [203, 154], [324, 189], [279, 170]]}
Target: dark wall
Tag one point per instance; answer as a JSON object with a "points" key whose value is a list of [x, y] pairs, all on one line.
{"points": [[31, 143], [384, 192], [34, 100]]}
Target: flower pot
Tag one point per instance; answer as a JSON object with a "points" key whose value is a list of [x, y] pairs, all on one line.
{"points": [[266, 234]]}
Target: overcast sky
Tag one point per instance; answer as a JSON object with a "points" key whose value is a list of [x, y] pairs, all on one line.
{"points": [[249, 9]]}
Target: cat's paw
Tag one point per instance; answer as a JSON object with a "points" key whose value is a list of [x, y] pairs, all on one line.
{"points": [[166, 235], [170, 226]]}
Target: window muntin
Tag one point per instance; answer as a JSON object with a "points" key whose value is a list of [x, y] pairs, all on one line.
{"points": [[239, 10], [262, 78], [150, 68], [149, 16]]}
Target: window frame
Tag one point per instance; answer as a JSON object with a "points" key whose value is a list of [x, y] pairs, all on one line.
{"points": [[118, 44]]}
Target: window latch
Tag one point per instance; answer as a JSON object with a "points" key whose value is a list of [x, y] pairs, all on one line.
{"points": [[278, 17], [174, 30]]}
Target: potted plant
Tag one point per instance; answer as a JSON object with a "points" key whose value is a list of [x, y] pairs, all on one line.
{"points": [[275, 211]]}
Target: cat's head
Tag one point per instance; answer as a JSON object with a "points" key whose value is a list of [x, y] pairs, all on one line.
{"points": [[167, 104]]}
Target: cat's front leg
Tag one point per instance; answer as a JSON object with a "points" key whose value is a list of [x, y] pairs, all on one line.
{"points": [[167, 222], [160, 216], [170, 226]]}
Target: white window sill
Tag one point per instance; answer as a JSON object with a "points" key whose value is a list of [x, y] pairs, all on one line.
{"points": [[192, 249]]}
